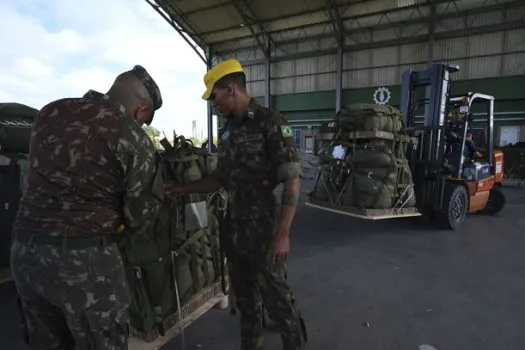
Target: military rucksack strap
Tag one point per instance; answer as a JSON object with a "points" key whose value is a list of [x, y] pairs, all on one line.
{"points": [[189, 158], [222, 263], [204, 250], [177, 294], [215, 253], [193, 238], [179, 172], [194, 265]]}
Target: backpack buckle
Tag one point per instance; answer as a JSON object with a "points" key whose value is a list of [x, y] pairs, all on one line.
{"points": [[138, 272]]}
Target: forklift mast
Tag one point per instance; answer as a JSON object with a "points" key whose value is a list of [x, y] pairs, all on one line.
{"points": [[427, 158]]}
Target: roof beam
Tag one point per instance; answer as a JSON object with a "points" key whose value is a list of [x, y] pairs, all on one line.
{"points": [[511, 25], [250, 18], [336, 21], [439, 17], [207, 8], [174, 22], [303, 13], [351, 18]]}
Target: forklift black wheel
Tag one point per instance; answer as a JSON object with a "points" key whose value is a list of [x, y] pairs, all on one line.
{"points": [[455, 207], [495, 203]]}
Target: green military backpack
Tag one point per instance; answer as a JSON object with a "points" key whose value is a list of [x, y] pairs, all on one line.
{"points": [[370, 117], [180, 255]]}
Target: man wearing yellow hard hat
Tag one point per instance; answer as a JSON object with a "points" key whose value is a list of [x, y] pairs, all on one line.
{"points": [[256, 153]]}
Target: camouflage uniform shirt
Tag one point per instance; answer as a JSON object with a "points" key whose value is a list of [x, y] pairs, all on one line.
{"points": [[256, 153], [92, 168]]}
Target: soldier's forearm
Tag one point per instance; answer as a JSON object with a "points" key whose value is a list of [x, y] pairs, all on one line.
{"points": [[289, 200]]}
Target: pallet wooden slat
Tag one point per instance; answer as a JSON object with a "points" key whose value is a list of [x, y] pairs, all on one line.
{"points": [[191, 311], [368, 214]]}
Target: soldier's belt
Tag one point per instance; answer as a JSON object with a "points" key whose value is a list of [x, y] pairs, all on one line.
{"points": [[64, 241]]}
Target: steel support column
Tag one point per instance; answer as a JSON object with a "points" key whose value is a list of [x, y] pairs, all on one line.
{"points": [[209, 63], [431, 33], [339, 76], [267, 78], [339, 30]]}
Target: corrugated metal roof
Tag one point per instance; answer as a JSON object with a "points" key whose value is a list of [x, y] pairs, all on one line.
{"points": [[210, 22], [223, 24]]}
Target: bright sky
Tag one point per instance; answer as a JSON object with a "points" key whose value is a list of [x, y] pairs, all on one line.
{"points": [[61, 48]]}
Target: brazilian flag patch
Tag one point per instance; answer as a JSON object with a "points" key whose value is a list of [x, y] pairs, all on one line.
{"points": [[286, 131]]}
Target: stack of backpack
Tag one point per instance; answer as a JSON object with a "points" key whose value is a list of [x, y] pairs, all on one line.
{"points": [[368, 169], [180, 255]]}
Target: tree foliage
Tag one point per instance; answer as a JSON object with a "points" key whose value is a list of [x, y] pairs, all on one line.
{"points": [[196, 142], [153, 134]]}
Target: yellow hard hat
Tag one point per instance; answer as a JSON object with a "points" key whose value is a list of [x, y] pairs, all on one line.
{"points": [[216, 73]]}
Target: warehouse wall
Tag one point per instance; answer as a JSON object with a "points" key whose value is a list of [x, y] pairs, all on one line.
{"points": [[487, 42], [485, 38]]}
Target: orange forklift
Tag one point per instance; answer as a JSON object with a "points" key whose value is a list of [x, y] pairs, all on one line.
{"points": [[451, 177]]}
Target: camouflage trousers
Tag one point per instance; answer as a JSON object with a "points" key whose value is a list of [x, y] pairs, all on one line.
{"points": [[254, 283], [72, 298]]}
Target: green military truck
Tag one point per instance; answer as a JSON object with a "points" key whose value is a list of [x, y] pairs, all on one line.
{"points": [[15, 131]]}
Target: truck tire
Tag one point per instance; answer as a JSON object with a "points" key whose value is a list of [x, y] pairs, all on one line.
{"points": [[455, 207], [495, 203]]}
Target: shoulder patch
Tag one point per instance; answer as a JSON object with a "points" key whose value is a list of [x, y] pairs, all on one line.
{"points": [[286, 131]]}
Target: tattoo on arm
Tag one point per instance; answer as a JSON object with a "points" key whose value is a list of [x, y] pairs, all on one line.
{"points": [[289, 199]]}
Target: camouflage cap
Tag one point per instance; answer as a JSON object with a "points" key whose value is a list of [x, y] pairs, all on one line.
{"points": [[150, 85]]}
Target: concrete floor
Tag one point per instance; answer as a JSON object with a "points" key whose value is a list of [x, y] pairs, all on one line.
{"points": [[386, 286]]}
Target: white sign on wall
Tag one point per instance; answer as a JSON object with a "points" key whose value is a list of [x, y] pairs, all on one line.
{"points": [[509, 135], [382, 96], [309, 144]]}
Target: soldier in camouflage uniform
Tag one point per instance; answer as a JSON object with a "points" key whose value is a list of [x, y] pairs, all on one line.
{"points": [[256, 152], [93, 177]]}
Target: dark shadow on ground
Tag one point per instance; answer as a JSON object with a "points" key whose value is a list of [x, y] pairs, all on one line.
{"points": [[388, 285]]}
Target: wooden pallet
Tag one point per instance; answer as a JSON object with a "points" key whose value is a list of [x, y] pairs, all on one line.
{"points": [[5, 274], [367, 214], [191, 311]]}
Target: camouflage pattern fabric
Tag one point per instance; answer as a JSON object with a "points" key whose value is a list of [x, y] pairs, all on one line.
{"points": [[256, 153], [151, 86], [87, 159], [72, 299], [92, 170]]}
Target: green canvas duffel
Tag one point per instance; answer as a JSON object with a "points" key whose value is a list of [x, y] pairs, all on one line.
{"points": [[370, 117]]}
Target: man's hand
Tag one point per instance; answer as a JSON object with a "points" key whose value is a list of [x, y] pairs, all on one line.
{"points": [[174, 190], [280, 245]]}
